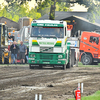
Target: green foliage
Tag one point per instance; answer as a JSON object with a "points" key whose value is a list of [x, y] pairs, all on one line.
{"points": [[16, 11], [44, 7], [34, 14], [19, 8], [62, 7], [11, 2]]}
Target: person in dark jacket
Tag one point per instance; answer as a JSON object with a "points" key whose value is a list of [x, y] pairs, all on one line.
{"points": [[14, 50], [13, 37]]}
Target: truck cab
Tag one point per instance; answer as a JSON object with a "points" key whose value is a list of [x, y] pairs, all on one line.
{"points": [[48, 44], [90, 48]]}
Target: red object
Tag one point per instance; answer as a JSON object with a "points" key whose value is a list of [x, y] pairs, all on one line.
{"points": [[9, 47], [77, 95]]}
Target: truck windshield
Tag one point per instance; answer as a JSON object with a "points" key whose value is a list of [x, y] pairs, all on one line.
{"points": [[57, 32]]}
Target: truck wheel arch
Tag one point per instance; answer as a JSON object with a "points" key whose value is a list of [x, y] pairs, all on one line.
{"points": [[88, 57]]}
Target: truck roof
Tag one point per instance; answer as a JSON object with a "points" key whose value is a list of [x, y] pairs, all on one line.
{"points": [[49, 23], [2, 23], [85, 33]]}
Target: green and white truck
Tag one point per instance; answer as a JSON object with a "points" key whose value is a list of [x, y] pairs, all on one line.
{"points": [[48, 44]]}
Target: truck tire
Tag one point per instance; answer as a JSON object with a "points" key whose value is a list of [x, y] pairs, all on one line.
{"points": [[69, 65], [3, 59], [6, 60], [9, 59], [72, 57], [31, 67], [0, 59], [64, 67], [40, 67], [86, 60]]}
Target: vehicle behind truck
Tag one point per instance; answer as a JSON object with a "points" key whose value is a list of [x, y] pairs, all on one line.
{"points": [[90, 48], [5, 55], [48, 44]]}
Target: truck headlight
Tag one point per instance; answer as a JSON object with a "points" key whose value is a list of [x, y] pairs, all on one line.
{"points": [[32, 55], [60, 56]]}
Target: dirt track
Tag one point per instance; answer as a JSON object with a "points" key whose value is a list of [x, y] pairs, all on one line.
{"points": [[21, 83]]}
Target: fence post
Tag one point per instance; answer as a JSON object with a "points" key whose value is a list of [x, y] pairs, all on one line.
{"points": [[40, 96], [81, 87], [36, 97]]}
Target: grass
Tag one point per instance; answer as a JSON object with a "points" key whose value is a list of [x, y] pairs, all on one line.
{"points": [[81, 65], [95, 96]]}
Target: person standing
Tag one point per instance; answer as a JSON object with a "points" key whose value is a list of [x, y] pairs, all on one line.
{"points": [[22, 52], [27, 54], [9, 37], [14, 50], [13, 37]]}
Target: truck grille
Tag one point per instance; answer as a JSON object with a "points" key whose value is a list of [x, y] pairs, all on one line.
{"points": [[49, 57], [46, 49]]}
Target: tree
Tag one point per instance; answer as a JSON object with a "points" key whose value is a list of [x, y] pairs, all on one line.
{"points": [[92, 5], [47, 6], [10, 2], [34, 14]]}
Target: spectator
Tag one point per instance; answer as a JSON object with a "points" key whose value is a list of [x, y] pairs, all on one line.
{"points": [[9, 46], [27, 55], [14, 51], [9, 38], [22, 52], [13, 37]]}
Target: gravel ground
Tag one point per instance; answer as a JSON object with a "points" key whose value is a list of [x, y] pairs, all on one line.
{"points": [[18, 82]]}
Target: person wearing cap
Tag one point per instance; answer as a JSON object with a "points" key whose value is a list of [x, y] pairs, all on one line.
{"points": [[9, 40], [9, 36]]}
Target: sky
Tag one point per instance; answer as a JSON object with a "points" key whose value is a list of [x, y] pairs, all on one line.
{"points": [[75, 8]]}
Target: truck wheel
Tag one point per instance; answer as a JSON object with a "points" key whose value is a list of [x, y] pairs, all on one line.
{"points": [[31, 67], [72, 57], [69, 65], [86, 60], [64, 67], [0, 59], [3, 59], [9, 59], [40, 67], [6, 60]]}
